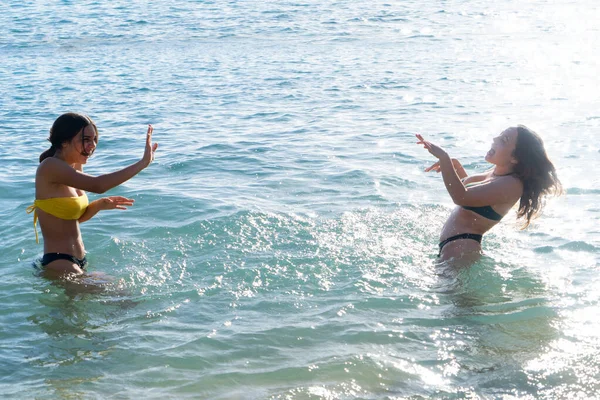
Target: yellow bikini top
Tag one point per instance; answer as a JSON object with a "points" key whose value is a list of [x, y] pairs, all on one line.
{"points": [[61, 207]]}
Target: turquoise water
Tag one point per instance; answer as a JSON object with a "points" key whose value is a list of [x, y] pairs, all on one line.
{"points": [[282, 244]]}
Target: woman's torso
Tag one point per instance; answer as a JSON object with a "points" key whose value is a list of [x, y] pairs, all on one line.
{"points": [[462, 220], [60, 235]]}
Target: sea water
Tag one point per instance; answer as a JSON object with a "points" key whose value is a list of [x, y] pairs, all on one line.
{"points": [[282, 245]]}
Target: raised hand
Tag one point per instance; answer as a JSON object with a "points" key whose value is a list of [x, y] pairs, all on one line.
{"points": [[150, 148], [434, 150]]}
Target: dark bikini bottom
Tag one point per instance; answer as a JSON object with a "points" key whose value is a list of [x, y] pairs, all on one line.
{"points": [[472, 236], [49, 257]]}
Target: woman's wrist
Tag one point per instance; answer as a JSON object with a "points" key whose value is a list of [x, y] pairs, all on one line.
{"points": [[142, 164]]}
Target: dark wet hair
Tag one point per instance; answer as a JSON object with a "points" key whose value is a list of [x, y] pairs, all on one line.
{"points": [[537, 173], [64, 129]]}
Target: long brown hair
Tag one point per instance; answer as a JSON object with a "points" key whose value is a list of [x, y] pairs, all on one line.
{"points": [[537, 173], [64, 129]]}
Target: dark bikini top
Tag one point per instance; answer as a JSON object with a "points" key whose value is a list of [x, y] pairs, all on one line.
{"points": [[485, 211]]}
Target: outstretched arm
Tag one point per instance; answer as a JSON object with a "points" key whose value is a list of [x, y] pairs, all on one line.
{"points": [[105, 203], [56, 171]]}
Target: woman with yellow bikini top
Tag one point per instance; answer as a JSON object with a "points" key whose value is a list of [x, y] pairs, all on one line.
{"points": [[60, 186], [522, 173]]}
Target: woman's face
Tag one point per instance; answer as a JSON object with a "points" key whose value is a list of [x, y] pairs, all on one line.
{"points": [[503, 148], [83, 144]]}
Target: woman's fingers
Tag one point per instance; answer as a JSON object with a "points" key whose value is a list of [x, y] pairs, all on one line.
{"points": [[150, 147], [434, 150], [121, 199], [149, 135], [120, 202], [117, 202], [424, 142]]}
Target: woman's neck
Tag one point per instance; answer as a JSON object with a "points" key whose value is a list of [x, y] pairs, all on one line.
{"points": [[61, 156], [502, 171]]}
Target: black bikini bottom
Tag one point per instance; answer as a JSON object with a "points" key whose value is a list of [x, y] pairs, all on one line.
{"points": [[472, 236], [49, 257]]}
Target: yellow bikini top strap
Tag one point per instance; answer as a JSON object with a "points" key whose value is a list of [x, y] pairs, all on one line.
{"points": [[32, 209]]}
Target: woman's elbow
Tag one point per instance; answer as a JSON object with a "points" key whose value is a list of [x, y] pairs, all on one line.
{"points": [[460, 201], [97, 190], [98, 187]]}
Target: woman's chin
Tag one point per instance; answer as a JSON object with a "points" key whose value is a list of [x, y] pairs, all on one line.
{"points": [[490, 155], [490, 159]]}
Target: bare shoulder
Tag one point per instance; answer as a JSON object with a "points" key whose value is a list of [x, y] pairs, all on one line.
{"points": [[45, 166], [51, 164], [512, 184], [512, 180], [52, 170]]}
